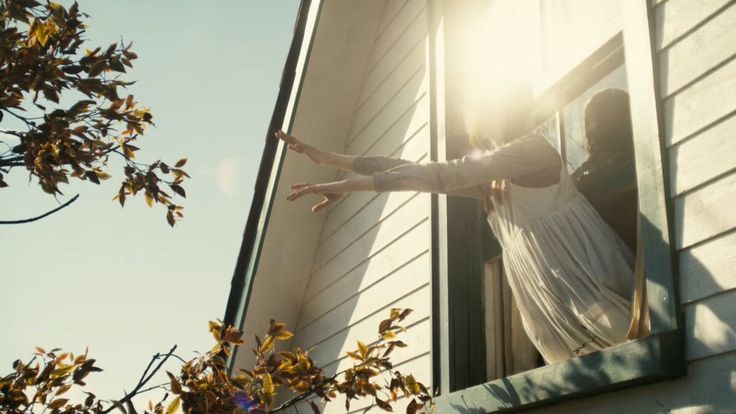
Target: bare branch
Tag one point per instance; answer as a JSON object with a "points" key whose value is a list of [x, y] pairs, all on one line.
{"points": [[48, 213]]}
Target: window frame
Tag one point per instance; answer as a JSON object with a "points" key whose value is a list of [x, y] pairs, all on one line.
{"points": [[458, 353]]}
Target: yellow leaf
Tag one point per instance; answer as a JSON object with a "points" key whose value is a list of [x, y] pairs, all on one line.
{"points": [[149, 199], [173, 406], [58, 403], [363, 349], [284, 335]]}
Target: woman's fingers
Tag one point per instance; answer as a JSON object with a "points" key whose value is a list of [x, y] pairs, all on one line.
{"points": [[329, 199], [299, 190]]}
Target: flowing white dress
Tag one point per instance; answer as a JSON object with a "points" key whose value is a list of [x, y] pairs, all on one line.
{"points": [[571, 274]]}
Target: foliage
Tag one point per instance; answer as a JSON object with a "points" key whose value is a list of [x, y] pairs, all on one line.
{"points": [[41, 59], [205, 386]]}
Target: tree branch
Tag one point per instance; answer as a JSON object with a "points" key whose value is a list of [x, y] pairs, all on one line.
{"points": [[48, 213], [144, 379]]}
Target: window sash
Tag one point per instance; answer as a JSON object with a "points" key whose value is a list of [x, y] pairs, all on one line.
{"points": [[655, 357]]}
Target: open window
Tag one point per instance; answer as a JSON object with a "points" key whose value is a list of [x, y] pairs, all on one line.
{"points": [[482, 360]]}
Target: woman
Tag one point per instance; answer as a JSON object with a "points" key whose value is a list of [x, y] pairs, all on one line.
{"points": [[570, 273]]}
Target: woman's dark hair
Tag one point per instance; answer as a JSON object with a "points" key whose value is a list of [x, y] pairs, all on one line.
{"points": [[608, 123]]}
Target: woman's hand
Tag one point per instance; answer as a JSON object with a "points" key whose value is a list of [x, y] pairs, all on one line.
{"points": [[317, 156], [331, 193]]}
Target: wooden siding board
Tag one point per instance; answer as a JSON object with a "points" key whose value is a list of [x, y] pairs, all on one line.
{"points": [[702, 104], [410, 63], [708, 268], [704, 48], [705, 213], [358, 305], [377, 75], [331, 346], [675, 18], [378, 238], [704, 157], [411, 126], [709, 326], [411, 91], [368, 214], [386, 58], [396, 27]]}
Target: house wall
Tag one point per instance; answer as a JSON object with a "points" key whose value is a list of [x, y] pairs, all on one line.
{"points": [[696, 43], [374, 250]]}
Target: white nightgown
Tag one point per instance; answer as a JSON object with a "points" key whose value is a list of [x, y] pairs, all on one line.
{"points": [[571, 275]]}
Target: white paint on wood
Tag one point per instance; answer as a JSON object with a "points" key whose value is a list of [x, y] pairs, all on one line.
{"points": [[709, 326], [674, 18], [700, 105], [704, 157], [396, 26], [349, 207], [701, 50], [331, 346], [383, 264], [358, 304], [378, 238], [411, 91], [390, 11], [708, 268], [366, 211], [705, 213], [411, 63], [415, 34], [371, 215]]}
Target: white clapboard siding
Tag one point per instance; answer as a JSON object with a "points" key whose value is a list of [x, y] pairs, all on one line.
{"points": [[381, 66], [709, 326], [704, 157], [397, 225], [702, 50], [403, 252], [411, 91], [374, 212], [708, 268], [328, 349], [373, 254], [410, 63], [701, 104], [366, 215], [410, 129], [705, 213], [360, 304], [675, 18]]}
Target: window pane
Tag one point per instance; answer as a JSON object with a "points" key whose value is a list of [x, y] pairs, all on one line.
{"points": [[573, 29], [573, 116]]}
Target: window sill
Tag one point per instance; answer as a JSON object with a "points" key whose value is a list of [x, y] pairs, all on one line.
{"points": [[654, 358]]}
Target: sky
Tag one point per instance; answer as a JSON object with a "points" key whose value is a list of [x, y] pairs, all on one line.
{"points": [[120, 281]]}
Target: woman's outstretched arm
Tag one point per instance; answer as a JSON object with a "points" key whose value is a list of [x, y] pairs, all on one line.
{"points": [[352, 163], [528, 161]]}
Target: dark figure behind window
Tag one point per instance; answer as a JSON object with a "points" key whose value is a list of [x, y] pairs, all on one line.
{"points": [[608, 177]]}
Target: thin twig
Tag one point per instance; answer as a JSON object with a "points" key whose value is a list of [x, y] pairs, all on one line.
{"points": [[144, 379], [46, 214]]}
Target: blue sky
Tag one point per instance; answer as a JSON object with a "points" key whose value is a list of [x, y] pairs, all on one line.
{"points": [[121, 281]]}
